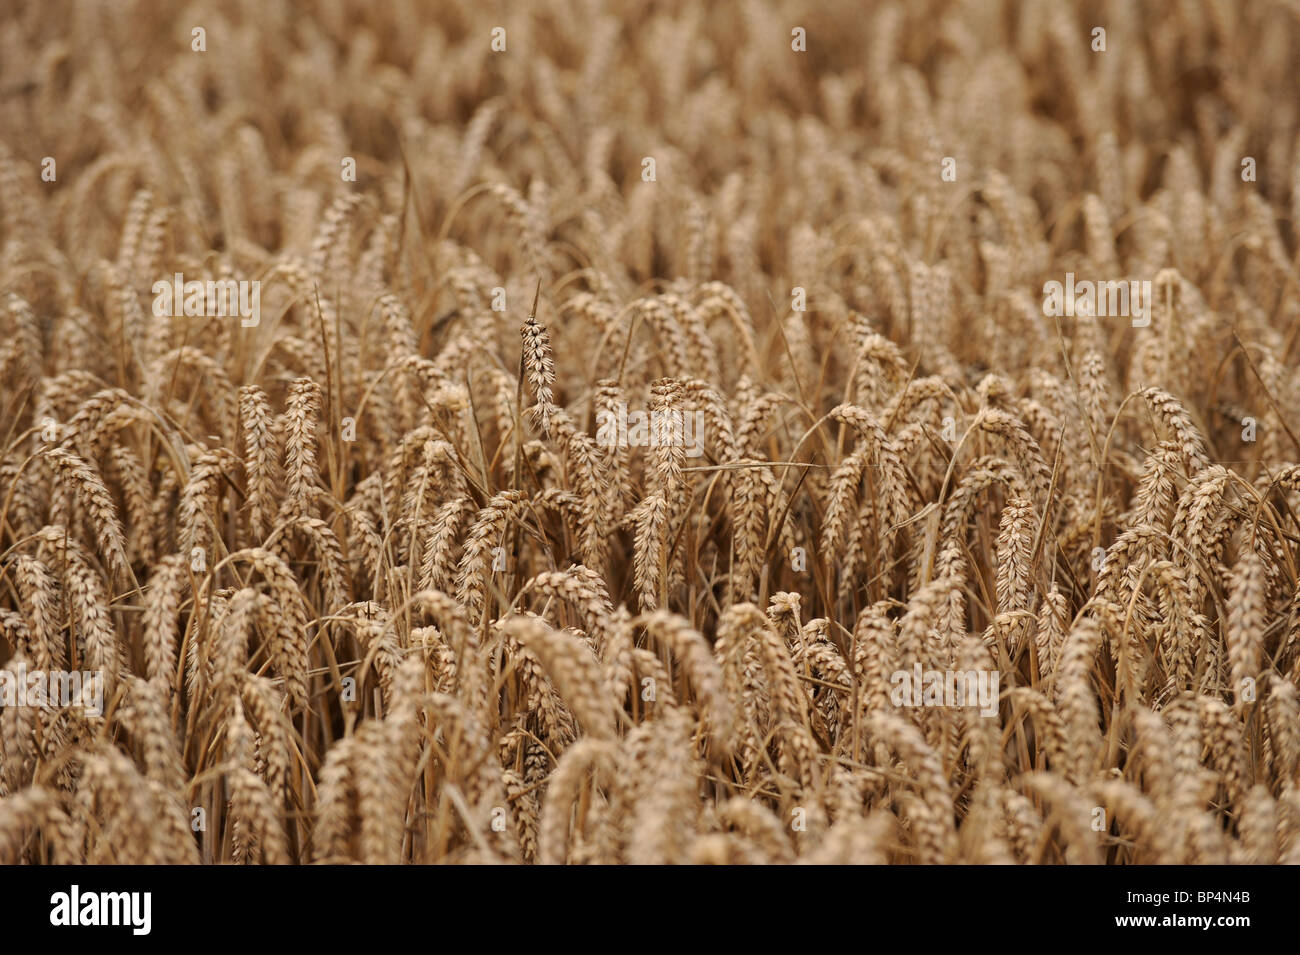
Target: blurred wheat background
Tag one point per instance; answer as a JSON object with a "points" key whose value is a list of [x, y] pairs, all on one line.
{"points": [[365, 586]]}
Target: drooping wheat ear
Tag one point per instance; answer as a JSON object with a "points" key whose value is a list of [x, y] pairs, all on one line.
{"points": [[1096, 398], [400, 342], [90, 605], [439, 558], [783, 611], [689, 646], [571, 665], [477, 130], [381, 645], [126, 472], [1223, 734], [1151, 753], [562, 792], [81, 479], [333, 226], [1176, 420], [300, 447], [1015, 541], [1125, 560], [486, 536], [1183, 715], [741, 662], [596, 489], [218, 393], [1257, 826], [1099, 234], [335, 790], [1247, 621], [1029, 456], [651, 673], [381, 791], [1070, 814], [24, 488], [984, 835], [289, 646], [119, 809], [702, 347], [1179, 630], [823, 660], [145, 715], [1199, 523], [252, 808], [760, 827], [982, 474], [95, 420], [651, 519], [919, 637], [416, 502], [585, 589], [18, 733], [38, 809], [476, 771], [874, 659], [879, 364], [1050, 633], [789, 702], [666, 437], [28, 350], [329, 555], [894, 487], [260, 454], [1021, 823], [1049, 730], [1139, 816], [664, 811], [197, 516], [470, 670], [39, 591], [539, 366], [1075, 698], [1284, 732], [843, 498], [527, 813], [528, 225], [1153, 501], [932, 811], [539, 695], [137, 213], [667, 334], [364, 538], [215, 664], [265, 706]]}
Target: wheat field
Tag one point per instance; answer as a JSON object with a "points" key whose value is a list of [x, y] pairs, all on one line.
{"points": [[591, 420]]}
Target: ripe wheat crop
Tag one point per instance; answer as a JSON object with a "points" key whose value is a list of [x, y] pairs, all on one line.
{"points": [[583, 432]]}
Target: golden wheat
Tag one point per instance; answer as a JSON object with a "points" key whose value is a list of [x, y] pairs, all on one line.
{"points": [[583, 437]]}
